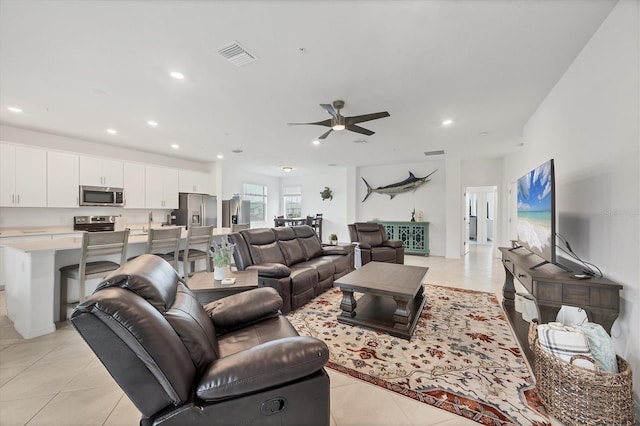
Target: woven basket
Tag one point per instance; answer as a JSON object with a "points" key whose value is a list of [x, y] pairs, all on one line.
{"points": [[579, 396]]}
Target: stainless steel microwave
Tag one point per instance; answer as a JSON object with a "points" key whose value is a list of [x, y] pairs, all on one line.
{"points": [[101, 196]]}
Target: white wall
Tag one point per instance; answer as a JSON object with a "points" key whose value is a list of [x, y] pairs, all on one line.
{"points": [[430, 198], [589, 123], [334, 219]]}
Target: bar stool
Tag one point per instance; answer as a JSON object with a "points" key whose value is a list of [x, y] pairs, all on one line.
{"points": [[161, 240], [201, 237], [94, 244]]}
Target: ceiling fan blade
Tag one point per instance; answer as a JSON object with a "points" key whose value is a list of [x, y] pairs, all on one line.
{"points": [[326, 123], [329, 109], [359, 129], [366, 117], [324, 136]]}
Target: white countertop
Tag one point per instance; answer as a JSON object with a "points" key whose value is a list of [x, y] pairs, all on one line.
{"points": [[135, 237]]}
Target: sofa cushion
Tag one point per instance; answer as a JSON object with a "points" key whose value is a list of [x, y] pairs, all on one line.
{"points": [[308, 240], [289, 245], [194, 327], [263, 246], [341, 263], [383, 254], [324, 267], [374, 239], [303, 278], [150, 277]]}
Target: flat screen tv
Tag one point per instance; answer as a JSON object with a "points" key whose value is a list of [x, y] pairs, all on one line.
{"points": [[536, 212]]}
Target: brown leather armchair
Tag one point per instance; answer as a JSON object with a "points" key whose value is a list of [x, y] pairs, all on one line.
{"points": [[237, 360], [375, 244]]}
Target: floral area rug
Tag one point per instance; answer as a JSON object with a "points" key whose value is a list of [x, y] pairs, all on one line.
{"points": [[462, 357]]}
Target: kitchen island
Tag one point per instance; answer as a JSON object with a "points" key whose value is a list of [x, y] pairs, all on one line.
{"points": [[32, 270]]}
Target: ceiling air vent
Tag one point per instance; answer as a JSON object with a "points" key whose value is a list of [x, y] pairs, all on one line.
{"points": [[429, 153], [236, 54]]}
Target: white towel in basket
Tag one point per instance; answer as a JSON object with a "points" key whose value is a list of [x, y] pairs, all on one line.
{"points": [[564, 342]]}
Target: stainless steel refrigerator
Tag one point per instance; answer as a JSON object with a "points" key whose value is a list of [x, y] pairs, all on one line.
{"points": [[235, 212], [196, 210]]}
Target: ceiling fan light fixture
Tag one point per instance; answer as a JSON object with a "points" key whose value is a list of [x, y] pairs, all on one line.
{"points": [[287, 169], [337, 127]]}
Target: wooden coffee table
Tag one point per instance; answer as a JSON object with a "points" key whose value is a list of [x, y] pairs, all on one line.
{"points": [[392, 300], [206, 289]]}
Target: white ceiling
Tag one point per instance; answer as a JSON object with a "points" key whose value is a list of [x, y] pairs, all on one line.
{"points": [[78, 68]]}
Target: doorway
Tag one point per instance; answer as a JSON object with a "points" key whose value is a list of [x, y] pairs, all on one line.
{"points": [[480, 216]]}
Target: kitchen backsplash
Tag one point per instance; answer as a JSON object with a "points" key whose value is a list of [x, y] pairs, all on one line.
{"points": [[41, 216]]}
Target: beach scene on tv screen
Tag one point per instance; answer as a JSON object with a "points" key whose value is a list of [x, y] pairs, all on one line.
{"points": [[534, 210]]}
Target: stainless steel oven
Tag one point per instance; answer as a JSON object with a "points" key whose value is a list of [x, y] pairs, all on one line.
{"points": [[94, 223], [101, 196]]}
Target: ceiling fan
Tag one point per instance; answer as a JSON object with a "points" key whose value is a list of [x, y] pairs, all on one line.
{"points": [[339, 122]]}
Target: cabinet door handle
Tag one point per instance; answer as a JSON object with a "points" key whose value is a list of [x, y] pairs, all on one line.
{"points": [[18, 199], [522, 276], [13, 198]]}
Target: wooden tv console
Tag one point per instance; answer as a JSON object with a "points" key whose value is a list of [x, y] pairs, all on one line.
{"points": [[551, 287]]}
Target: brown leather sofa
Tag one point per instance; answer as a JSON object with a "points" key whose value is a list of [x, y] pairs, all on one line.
{"points": [[238, 360], [375, 244], [292, 260]]}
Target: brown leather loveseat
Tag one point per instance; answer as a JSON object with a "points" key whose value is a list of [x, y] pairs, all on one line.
{"points": [[237, 360], [291, 260]]}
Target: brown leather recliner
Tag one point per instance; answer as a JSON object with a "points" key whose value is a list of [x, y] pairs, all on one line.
{"points": [[235, 361], [375, 244]]}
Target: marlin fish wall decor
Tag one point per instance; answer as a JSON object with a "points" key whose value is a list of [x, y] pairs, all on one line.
{"points": [[409, 184]]}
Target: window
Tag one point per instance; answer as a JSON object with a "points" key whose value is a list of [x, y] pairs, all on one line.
{"points": [[292, 201], [257, 196]]}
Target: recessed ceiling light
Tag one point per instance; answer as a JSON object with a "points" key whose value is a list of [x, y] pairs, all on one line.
{"points": [[316, 142], [447, 122], [484, 134], [14, 109], [177, 75], [220, 156], [175, 146], [287, 169], [112, 131], [237, 151], [332, 164], [152, 123], [360, 141]]}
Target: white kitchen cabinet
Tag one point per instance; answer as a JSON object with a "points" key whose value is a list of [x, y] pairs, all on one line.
{"points": [[23, 176], [161, 185], [95, 171], [199, 182], [62, 179], [134, 186]]}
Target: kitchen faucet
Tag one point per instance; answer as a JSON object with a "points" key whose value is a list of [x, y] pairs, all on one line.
{"points": [[149, 221]]}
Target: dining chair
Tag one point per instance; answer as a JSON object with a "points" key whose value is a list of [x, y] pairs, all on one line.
{"points": [[94, 245], [159, 240], [197, 247]]}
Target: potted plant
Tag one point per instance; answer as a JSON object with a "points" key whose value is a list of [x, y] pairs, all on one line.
{"points": [[333, 239], [222, 256]]}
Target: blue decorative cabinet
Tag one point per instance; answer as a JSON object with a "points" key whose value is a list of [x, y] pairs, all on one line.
{"points": [[414, 235]]}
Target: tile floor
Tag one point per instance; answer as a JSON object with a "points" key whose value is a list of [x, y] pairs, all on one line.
{"points": [[56, 379]]}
